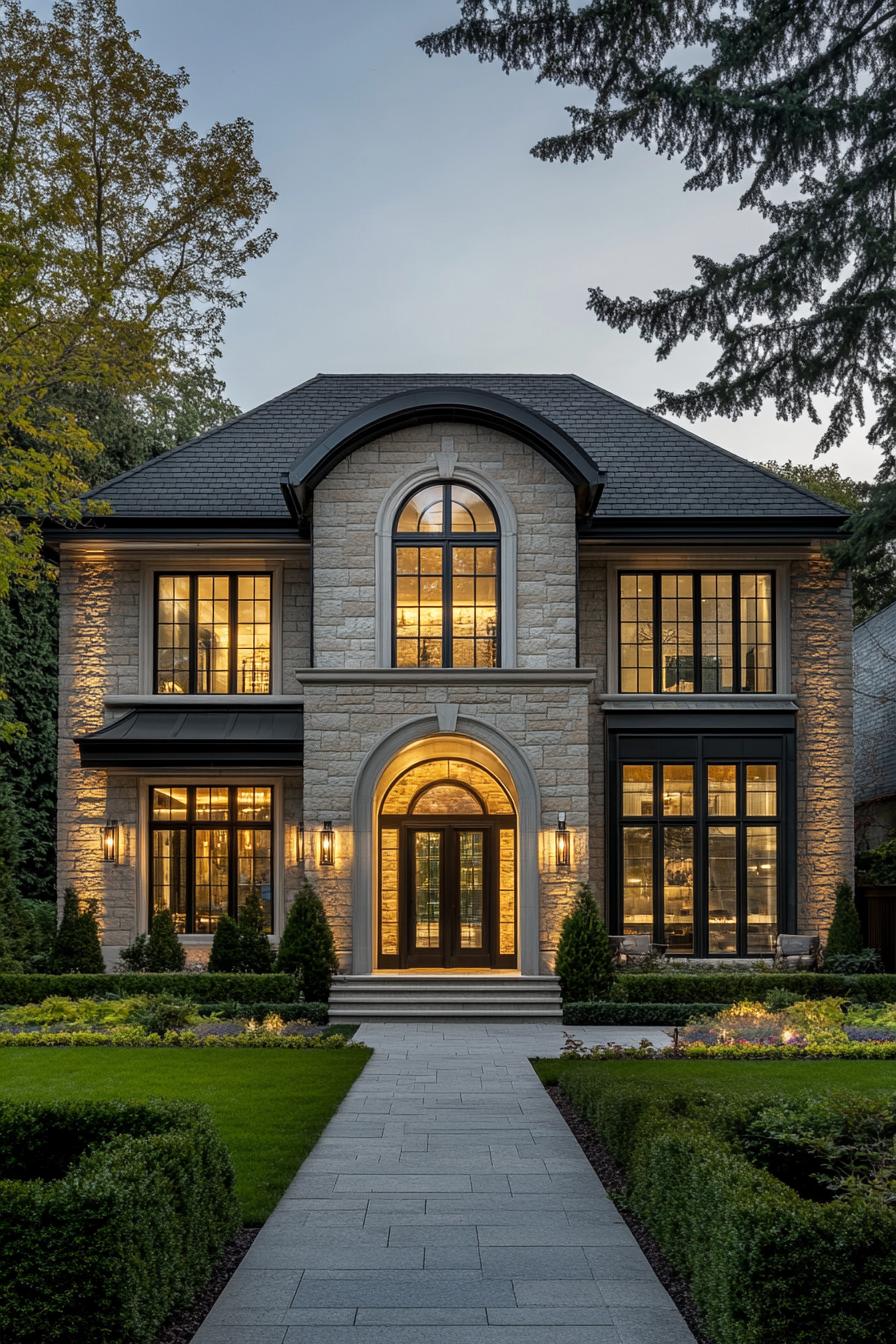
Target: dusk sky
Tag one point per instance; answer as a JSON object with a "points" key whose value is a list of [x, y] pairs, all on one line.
{"points": [[416, 232]]}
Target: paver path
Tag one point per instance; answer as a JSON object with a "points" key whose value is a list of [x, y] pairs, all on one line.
{"points": [[447, 1202]]}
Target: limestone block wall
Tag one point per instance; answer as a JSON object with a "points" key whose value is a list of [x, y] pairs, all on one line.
{"points": [[821, 649], [346, 505], [548, 723], [593, 654]]}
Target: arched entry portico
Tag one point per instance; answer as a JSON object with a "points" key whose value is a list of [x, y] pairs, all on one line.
{"points": [[484, 749]]}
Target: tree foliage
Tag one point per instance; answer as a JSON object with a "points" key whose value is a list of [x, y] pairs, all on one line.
{"points": [[874, 571], [793, 104], [584, 961], [77, 946], [256, 955], [123, 235], [307, 949]]}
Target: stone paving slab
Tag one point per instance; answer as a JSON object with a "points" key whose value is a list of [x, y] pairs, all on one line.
{"points": [[447, 1202]]}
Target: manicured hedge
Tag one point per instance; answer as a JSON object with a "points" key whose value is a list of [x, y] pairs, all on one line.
{"points": [[111, 1215], [609, 1013], [731, 987], [200, 986], [765, 1265]]}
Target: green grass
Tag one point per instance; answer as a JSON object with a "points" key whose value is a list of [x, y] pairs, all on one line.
{"points": [[270, 1106], [735, 1077]]}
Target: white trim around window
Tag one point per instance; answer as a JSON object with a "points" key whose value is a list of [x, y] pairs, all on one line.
{"points": [[178, 561], [708, 563], [444, 468]]}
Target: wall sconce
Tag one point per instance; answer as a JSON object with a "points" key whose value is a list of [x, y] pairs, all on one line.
{"points": [[300, 842], [109, 837], [562, 839], [327, 844]]}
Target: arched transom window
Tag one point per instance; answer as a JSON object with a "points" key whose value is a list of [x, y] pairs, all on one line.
{"points": [[446, 557]]}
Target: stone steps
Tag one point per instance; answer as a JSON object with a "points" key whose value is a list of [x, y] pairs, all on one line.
{"points": [[421, 998]]}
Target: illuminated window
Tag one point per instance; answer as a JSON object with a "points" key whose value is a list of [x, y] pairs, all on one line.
{"points": [[446, 550], [213, 634], [703, 633], [210, 846]]}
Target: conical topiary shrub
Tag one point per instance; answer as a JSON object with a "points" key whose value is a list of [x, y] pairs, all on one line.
{"points": [[307, 949], [163, 951], [77, 944], [845, 933], [584, 961], [256, 953], [226, 949]]}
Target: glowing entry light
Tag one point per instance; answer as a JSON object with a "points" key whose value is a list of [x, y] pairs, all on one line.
{"points": [[109, 837], [327, 844], [562, 838]]}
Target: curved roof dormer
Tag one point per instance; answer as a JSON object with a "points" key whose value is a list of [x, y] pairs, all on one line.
{"points": [[423, 404]]}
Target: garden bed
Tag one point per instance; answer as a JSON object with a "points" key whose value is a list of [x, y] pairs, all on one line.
{"points": [[136, 1201], [806, 1260]]}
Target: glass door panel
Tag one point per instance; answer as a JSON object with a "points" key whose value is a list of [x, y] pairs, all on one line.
{"points": [[427, 888], [471, 887]]}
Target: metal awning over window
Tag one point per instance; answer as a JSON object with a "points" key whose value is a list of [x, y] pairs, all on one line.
{"points": [[159, 738]]}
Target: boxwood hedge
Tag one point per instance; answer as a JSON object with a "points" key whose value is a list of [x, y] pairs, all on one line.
{"points": [[111, 1215], [610, 1013], [765, 1265], [201, 986], [733, 986]]}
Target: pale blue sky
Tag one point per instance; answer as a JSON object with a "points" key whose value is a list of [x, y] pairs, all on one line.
{"points": [[416, 231]]}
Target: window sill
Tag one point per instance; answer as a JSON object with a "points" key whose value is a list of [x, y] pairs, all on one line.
{"points": [[771, 700], [201, 701], [463, 676]]}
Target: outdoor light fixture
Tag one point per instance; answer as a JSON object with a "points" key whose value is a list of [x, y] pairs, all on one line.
{"points": [[327, 844], [300, 842], [562, 837], [109, 836]]}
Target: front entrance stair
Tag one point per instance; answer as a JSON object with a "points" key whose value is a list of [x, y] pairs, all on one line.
{"points": [[472, 997]]}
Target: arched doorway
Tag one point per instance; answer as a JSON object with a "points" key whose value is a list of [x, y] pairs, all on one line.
{"points": [[447, 867]]}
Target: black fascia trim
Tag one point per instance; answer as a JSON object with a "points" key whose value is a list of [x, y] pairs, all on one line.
{"points": [[451, 403], [734, 528], [98, 755], [700, 720], [171, 527]]}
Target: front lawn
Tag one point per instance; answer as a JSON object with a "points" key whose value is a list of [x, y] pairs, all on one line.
{"points": [[269, 1106], [734, 1077]]}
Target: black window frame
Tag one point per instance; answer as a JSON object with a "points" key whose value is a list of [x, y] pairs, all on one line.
{"points": [[447, 541], [707, 739], [656, 575], [189, 827], [232, 576]]}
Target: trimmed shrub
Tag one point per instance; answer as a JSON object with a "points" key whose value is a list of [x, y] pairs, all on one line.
{"points": [[845, 933], [256, 953], [866, 962], [77, 946], [272, 988], [737, 986], [584, 962], [611, 1013], [163, 951], [226, 952], [292, 1011], [307, 949], [765, 1265], [136, 1202]]}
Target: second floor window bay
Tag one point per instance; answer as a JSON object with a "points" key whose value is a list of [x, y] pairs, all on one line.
{"points": [[696, 632], [446, 567], [212, 634]]}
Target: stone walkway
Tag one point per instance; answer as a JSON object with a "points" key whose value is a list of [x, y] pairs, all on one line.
{"points": [[447, 1202]]}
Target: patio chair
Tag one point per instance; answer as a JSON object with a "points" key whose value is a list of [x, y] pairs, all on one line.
{"points": [[797, 951], [632, 948]]}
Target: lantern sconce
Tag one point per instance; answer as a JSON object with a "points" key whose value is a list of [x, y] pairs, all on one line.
{"points": [[109, 836], [300, 842], [562, 838], [327, 844]]}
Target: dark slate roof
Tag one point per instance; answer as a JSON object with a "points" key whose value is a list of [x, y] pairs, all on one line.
{"points": [[654, 468], [147, 737], [874, 673]]}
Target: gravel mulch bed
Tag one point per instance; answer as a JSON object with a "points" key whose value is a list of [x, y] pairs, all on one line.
{"points": [[613, 1180], [182, 1326]]}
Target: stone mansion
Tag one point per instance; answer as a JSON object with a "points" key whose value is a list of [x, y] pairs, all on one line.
{"points": [[450, 645]]}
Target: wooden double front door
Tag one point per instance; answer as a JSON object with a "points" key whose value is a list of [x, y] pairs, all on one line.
{"points": [[448, 884]]}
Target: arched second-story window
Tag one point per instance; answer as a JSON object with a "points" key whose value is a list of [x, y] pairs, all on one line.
{"points": [[445, 576]]}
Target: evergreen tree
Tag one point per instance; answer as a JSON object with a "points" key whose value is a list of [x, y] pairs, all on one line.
{"points": [[163, 951], [306, 948], [226, 953], [793, 105], [15, 927], [845, 933], [256, 954], [77, 947], [584, 959]]}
